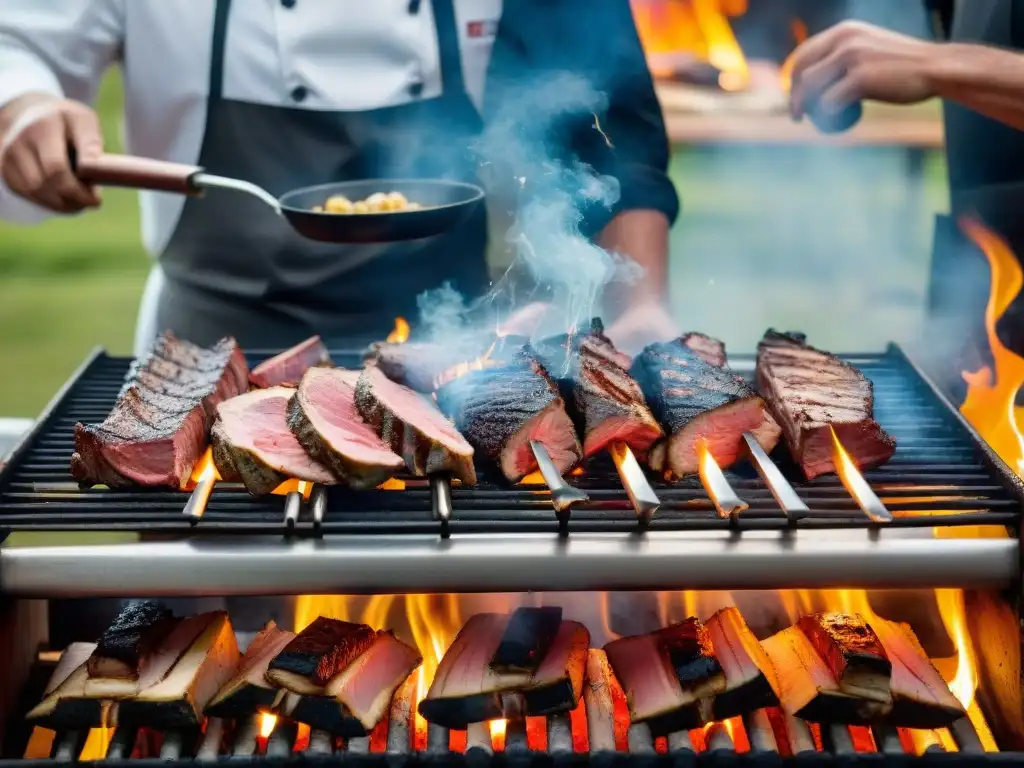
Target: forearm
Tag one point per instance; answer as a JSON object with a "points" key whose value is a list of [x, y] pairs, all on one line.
{"points": [[988, 80], [641, 235]]}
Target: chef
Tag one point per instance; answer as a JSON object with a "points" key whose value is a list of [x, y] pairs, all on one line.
{"points": [[292, 93], [978, 69]]}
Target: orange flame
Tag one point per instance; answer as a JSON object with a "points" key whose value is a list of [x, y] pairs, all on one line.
{"points": [[400, 333], [498, 728], [96, 744], [203, 469], [267, 723], [989, 404]]}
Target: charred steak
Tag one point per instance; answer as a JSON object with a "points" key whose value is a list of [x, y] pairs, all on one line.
{"points": [[810, 391], [324, 419], [501, 409], [159, 425], [287, 368], [413, 427], [253, 445], [695, 402]]}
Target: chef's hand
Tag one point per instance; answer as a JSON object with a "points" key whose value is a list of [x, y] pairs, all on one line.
{"points": [[853, 61], [35, 133], [642, 324]]}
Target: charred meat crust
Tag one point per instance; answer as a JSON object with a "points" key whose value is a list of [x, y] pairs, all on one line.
{"points": [[527, 638], [557, 684], [135, 632], [689, 649], [322, 649], [847, 645], [710, 350], [287, 368]]}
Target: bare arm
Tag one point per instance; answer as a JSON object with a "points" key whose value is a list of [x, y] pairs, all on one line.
{"points": [[643, 236], [987, 80]]}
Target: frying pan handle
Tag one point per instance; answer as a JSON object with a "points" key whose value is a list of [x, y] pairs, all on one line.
{"points": [[136, 173]]}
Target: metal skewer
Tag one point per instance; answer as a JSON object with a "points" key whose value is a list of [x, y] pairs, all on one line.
{"points": [[640, 493], [563, 495], [857, 486], [292, 507], [318, 505], [777, 483], [441, 500], [200, 497], [726, 502]]}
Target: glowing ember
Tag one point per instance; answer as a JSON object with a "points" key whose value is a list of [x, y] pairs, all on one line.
{"points": [[989, 404], [40, 744], [400, 334], [267, 723], [392, 484], [498, 734], [534, 478]]}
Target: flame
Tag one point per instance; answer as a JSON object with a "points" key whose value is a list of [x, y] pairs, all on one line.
{"points": [[799, 30], [392, 484], [267, 723], [400, 333], [498, 728], [96, 744], [40, 744], [989, 404], [203, 469], [698, 27]]}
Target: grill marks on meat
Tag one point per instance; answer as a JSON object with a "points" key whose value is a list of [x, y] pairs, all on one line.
{"points": [[501, 409], [287, 368], [413, 427], [253, 444], [808, 391], [610, 402], [695, 402], [159, 425], [325, 421]]}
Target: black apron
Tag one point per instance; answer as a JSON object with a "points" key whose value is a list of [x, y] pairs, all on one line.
{"points": [[986, 179], [232, 267]]}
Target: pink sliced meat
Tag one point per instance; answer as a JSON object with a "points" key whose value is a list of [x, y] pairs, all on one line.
{"points": [[286, 369]]}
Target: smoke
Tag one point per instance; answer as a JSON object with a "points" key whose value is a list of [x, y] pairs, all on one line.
{"points": [[522, 155]]}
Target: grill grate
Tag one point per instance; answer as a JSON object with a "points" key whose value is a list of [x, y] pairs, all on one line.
{"points": [[941, 474]]}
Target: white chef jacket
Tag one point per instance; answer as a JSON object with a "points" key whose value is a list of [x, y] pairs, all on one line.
{"points": [[346, 55]]}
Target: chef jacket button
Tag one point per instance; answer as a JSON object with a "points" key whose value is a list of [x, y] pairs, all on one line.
{"points": [[288, 3], [415, 89], [299, 93], [414, 6]]}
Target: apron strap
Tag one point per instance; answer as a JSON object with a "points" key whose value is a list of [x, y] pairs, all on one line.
{"points": [[447, 42]]}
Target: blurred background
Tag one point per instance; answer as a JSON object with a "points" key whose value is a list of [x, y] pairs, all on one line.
{"points": [[779, 226]]}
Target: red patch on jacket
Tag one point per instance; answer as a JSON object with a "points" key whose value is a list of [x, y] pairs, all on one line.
{"points": [[484, 28]]}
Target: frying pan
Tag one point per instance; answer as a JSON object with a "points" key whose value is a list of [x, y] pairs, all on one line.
{"points": [[445, 204]]}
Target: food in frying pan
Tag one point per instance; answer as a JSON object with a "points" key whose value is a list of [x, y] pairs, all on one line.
{"points": [[379, 202]]}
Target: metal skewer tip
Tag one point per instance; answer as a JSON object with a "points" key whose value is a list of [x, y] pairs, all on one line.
{"points": [[196, 506], [441, 499], [777, 483], [640, 493], [292, 507], [857, 485], [727, 503], [318, 505], [563, 495]]}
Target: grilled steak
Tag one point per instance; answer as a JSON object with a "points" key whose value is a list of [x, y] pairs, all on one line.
{"points": [[135, 633], [610, 403], [711, 351], [253, 445], [413, 427], [324, 419], [810, 391], [160, 423], [318, 653], [852, 653], [287, 368], [501, 409], [695, 402]]}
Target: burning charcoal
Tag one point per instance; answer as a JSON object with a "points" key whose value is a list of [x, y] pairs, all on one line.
{"points": [[287, 368], [179, 699], [711, 351], [318, 653], [852, 653], [609, 401], [365, 686], [133, 635], [652, 687], [810, 391], [158, 428], [322, 713], [749, 674], [252, 443], [557, 683], [416, 365], [67, 683], [695, 402], [248, 691], [528, 635], [689, 649], [502, 409], [465, 688], [413, 427], [920, 697], [808, 690], [324, 419], [155, 666]]}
